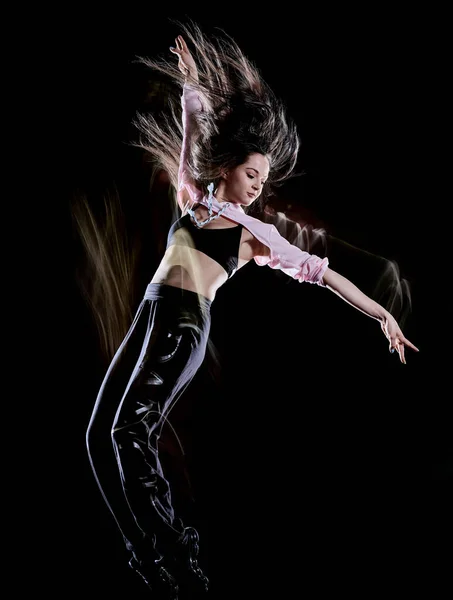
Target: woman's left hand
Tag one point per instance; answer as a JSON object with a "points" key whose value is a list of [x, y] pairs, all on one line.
{"points": [[186, 62], [395, 337]]}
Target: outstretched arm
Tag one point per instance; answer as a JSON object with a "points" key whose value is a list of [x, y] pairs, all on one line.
{"points": [[351, 294]]}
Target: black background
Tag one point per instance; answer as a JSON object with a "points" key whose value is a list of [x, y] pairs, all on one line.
{"points": [[317, 460]]}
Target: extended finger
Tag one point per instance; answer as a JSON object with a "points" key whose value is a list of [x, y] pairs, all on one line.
{"points": [[410, 344], [400, 348], [182, 43]]}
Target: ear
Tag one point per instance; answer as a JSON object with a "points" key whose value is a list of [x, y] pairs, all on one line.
{"points": [[224, 175]]}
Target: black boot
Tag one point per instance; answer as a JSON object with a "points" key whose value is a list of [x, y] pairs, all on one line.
{"points": [[185, 563], [157, 578]]}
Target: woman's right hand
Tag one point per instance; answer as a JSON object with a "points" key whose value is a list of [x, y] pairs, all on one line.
{"points": [[186, 62], [395, 336]]}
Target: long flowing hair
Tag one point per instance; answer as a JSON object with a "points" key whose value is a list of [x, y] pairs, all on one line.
{"points": [[241, 115]]}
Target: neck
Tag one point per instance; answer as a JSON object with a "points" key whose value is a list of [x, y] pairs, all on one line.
{"points": [[219, 195]]}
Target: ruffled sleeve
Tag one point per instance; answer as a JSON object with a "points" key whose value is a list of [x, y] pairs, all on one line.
{"points": [[290, 259]]}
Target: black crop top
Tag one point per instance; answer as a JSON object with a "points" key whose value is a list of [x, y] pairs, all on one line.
{"points": [[222, 245]]}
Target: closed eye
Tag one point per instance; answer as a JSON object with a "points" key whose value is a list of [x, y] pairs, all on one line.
{"points": [[250, 176]]}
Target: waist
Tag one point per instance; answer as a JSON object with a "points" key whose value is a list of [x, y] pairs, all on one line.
{"points": [[177, 295], [190, 269]]}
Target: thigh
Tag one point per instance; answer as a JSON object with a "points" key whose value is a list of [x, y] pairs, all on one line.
{"points": [[172, 353], [121, 367]]}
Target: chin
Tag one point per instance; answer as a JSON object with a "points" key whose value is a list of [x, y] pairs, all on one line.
{"points": [[247, 202]]}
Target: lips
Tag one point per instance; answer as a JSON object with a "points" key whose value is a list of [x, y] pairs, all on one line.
{"points": [[250, 195]]}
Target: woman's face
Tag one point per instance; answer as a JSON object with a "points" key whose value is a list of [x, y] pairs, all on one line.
{"points": [[244, 183]]}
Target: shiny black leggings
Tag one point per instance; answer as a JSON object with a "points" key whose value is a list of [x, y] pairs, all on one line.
{"points": [[162, 351]]}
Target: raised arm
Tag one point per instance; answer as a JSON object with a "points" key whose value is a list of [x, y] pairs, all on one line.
{"points": [[351, 294], [187, 190]]}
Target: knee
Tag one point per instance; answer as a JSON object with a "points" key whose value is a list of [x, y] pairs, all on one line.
{"points": [[118, 432], [97, 438], [115, 435], [91, 437]]}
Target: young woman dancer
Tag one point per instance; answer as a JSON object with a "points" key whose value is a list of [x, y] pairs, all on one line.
{"points": [[235, 141]]}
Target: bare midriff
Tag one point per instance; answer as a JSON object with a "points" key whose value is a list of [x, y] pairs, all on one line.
{"points": [[190, 269], [185, 267]]}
